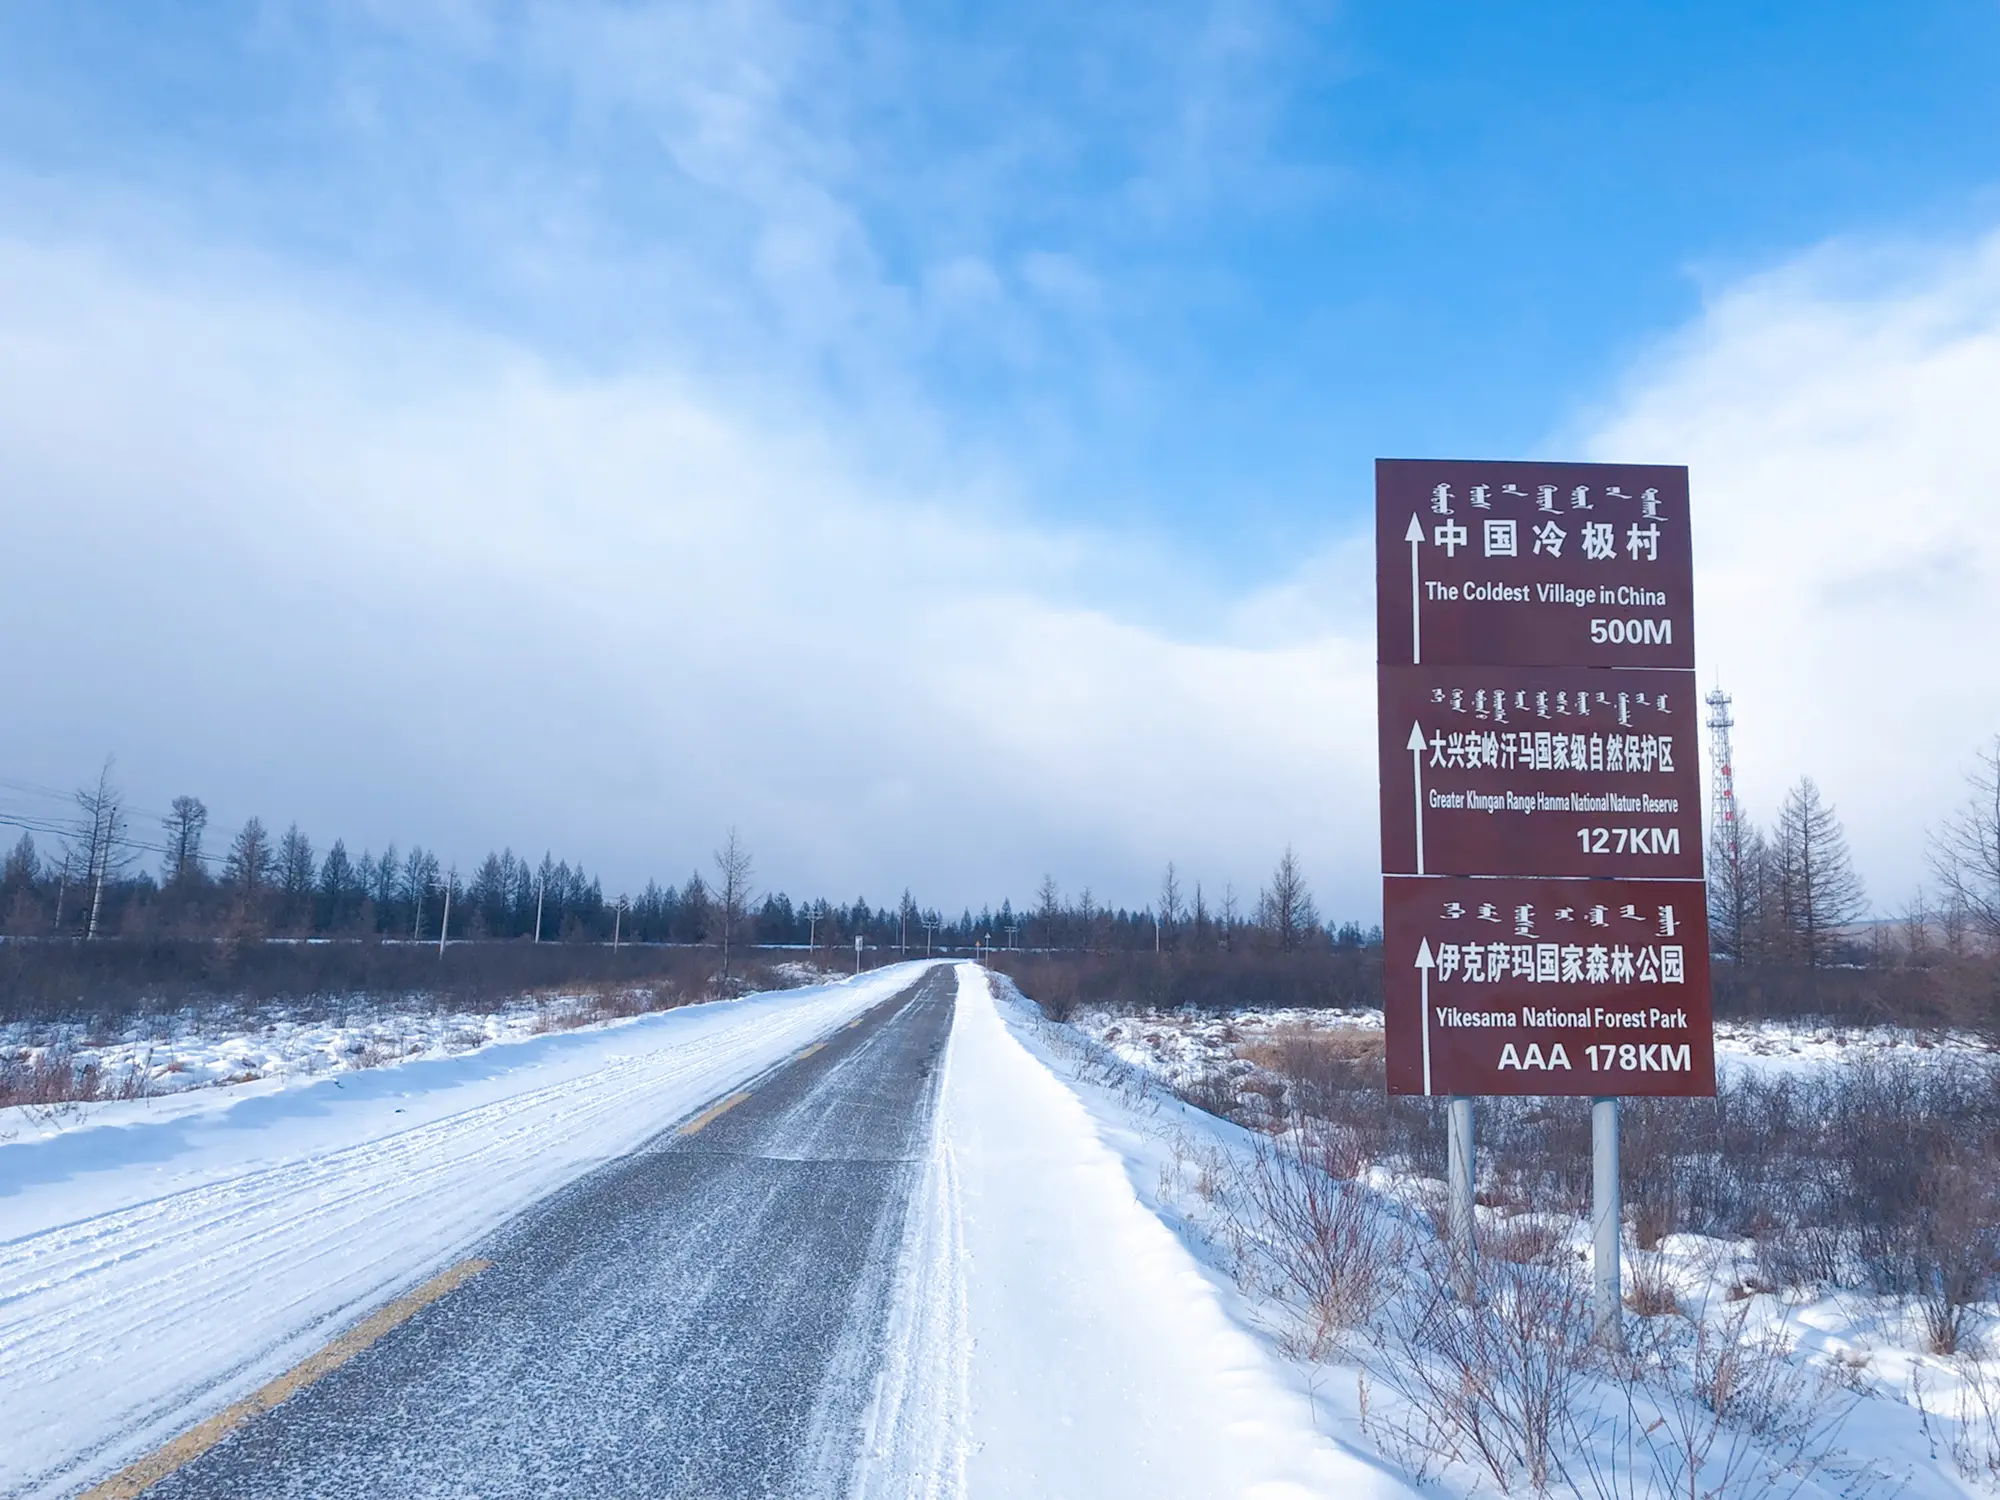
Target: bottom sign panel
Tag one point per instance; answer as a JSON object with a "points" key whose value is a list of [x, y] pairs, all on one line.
{"points": [[1546, 986]]}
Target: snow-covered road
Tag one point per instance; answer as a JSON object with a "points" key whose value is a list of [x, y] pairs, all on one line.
{"points": [[155, 1267], [1044, 1332]]}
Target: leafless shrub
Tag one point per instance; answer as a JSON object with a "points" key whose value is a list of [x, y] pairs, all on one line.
{"points": [[1801, 1257], [42, 1077], [1706, 1406], [1974, 1440], [1649, 1287], [1210, 1090], [1497, 1382], [1329, 1244], [1526, 1239]]}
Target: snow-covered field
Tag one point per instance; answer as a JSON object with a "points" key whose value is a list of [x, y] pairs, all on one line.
{"points": [[163, 1257], [166, 1053], [1845, 1392]]}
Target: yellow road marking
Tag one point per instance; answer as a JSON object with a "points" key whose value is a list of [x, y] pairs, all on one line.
{"points": [[815, 1047], [137, 1478], [855, 1022], [713, 1111]]}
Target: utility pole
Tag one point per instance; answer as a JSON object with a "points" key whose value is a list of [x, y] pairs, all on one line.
{"points": [[62, 889], [1725, 833], [812, 929], [444, 927], [617, 922], [857, 954], [540, 882]]}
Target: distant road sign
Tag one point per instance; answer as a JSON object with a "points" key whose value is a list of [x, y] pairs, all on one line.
{"points": [[1544, 916], [1533, 564]]}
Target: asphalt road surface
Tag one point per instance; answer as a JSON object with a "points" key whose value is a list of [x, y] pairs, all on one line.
{"points": [[702, 1318]]}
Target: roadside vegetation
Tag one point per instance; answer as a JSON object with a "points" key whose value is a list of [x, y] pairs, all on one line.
{"points": [[1810, 1258], [1809, 1264]]}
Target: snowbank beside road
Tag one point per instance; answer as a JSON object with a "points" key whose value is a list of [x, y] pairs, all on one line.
{"points": [[159, 1265], [1102, 1360]]}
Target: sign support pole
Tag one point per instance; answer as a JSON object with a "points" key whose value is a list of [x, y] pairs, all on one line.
{"points": [[1605, 1218], [1460, 1180]]}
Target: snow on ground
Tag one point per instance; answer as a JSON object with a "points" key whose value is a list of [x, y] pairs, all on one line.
{"points": [[1104, 1361], [167, 1053], [165, 1257], [1901, 1420]]}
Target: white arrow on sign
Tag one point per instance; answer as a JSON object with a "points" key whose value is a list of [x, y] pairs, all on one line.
{"points": [[1415, 536], [1425, 963], [1416, 749]]}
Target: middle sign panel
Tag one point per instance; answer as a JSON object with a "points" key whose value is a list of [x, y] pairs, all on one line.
{"points": [[1539, 771]]}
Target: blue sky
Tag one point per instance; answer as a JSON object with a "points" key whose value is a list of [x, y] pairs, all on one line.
{"points": [[1139, 291]]}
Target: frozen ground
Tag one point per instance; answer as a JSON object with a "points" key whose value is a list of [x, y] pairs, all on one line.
{"points": [[165, 1257], [154, 1055], [1851, 1374]]}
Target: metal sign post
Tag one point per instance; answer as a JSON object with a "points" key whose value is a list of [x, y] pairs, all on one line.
{"points": [[1544, 917], [1606, 1215], [1462, 1196]]}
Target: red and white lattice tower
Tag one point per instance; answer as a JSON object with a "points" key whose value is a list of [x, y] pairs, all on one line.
{"points": [[1724, 843]]}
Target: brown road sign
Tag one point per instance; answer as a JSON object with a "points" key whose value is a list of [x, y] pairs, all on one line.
{"points": [[1533, 564], [1539, 771], [1544, 918], [1534, 986]]}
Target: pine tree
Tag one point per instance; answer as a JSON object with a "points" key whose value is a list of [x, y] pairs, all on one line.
{"points": [[1818, 891], [298, 875], [1286, 909], [340, 889], [184, 826], [247, 870]]}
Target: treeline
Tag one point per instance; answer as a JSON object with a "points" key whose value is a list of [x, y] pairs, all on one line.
{"points": [[96, 880], [1185, 919], [1793, 932], [95, 875]]}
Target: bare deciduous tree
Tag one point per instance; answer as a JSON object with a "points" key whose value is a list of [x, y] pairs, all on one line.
{"points": [[1170, 907], [99, 843], [184, 826], [420, 878], [732, 892], [1965, 853], [1048, 910]]}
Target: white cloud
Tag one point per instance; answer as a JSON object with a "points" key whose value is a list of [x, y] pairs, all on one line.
{"points": [[398, 580], [1838, 417]]}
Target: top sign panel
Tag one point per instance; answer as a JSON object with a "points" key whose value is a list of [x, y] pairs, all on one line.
{"points": [[1533, 564]]}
